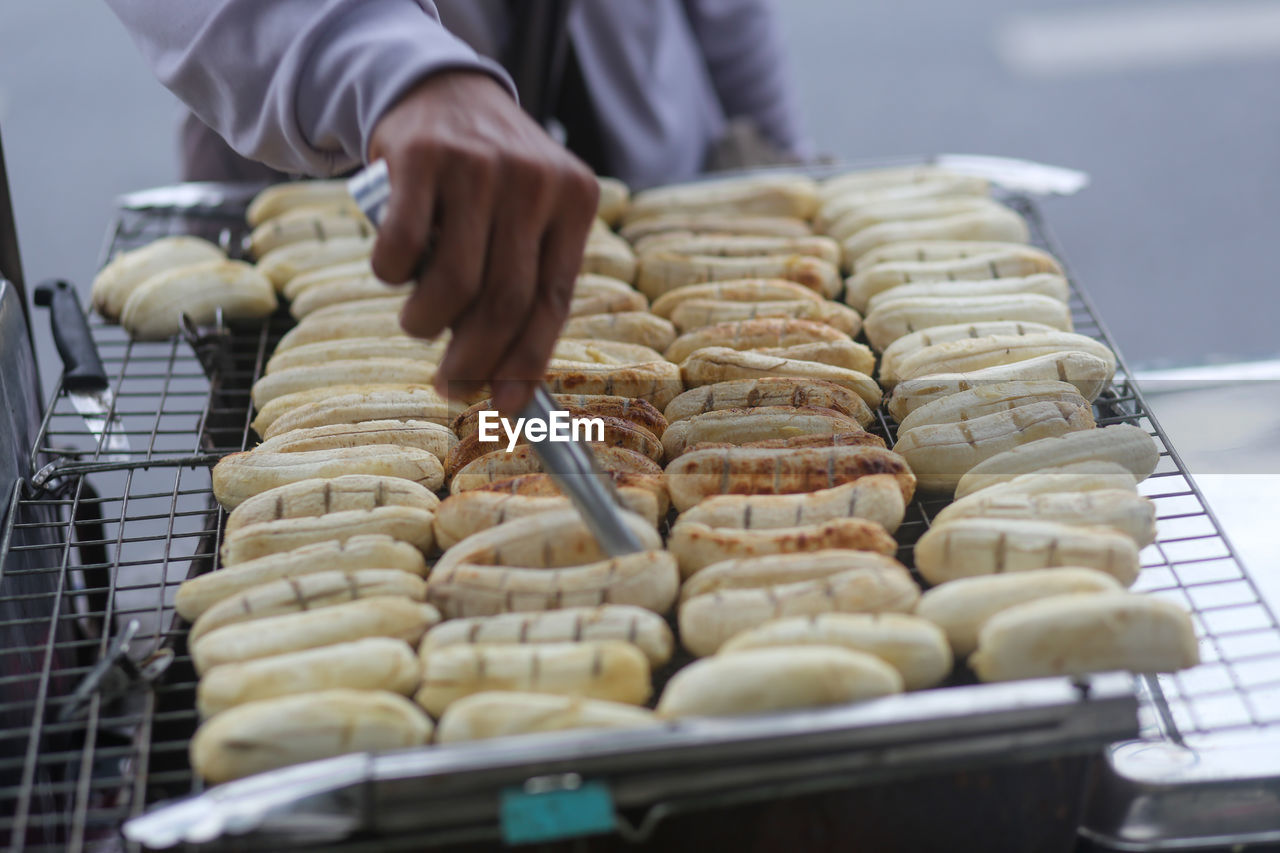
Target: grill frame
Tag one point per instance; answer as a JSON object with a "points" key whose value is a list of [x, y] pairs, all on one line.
{"points": [[187, 526]]}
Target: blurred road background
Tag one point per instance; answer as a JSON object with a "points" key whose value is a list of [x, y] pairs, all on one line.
{"points": [[1170, 106]]}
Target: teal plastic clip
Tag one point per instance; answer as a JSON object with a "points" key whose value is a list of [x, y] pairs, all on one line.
{"points": [[553, 810]]}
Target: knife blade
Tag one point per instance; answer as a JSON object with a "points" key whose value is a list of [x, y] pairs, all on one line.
{"points": [[83, 377], [572, 466]]}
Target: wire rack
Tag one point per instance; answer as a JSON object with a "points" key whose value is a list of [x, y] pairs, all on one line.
{"points": [[125, 534]]}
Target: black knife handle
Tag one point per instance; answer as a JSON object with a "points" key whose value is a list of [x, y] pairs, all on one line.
{"points": [[82, 368]]}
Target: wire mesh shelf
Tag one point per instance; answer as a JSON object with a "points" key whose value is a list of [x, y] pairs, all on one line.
{"points": [[102, 544]]}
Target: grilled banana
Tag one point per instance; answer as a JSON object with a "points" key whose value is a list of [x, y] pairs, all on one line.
{"points": [[1119, 509], [759, 471], [632, 327], [739, 426], [404, 523], [466, 513], [435, 439], [642, 628], [502, 713], [606, 669], [279, 199], [266, 735], [754, 334], [746, 290], [697, 313], [721, 364], [708, 621], [322, 328], [602, 294], [1044, 284], [915, 647], [757, 573], [546, 541], [657, 382], [240, 476], [282, 264], [989, 399], [198, 594], [1079, 634], [908, 344], [115, 282], [876, 498], [647, 579], [940, 454], [651, 232], [932, 250], [362, 371], [312, 498], [992, 224], [758, 195], [983, 546], [663, 271], [639, 412], [307, 592], [351, 404], [153, 309], [771, 391], [901, 317], [1123, 444], [310, 222], [1013, 262], [697, 546], [1089, 374], [351, 349], [337, 296], [615, 197], [374, 663], [743, 245], [961, 607]]}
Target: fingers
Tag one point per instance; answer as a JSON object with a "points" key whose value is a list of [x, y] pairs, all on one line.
{"points": [[524, 363], [487, 329], [453, 275], [406, 222]]}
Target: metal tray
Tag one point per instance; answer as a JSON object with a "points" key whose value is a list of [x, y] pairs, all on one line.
{"points": [[1024, 749]]}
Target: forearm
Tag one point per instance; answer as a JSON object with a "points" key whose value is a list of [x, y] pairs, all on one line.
{"points": [[296, 84], [742, 45]]}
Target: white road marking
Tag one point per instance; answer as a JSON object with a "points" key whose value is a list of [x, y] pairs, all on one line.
{"points": [[1160, 35]]}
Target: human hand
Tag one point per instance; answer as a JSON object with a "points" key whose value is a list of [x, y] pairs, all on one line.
{"points": [[506, 211]]}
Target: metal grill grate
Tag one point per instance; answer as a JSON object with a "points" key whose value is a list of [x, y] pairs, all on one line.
{"points": [[144, 525]]}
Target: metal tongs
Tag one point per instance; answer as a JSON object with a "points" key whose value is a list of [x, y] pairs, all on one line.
{"points": [[571, 465]]}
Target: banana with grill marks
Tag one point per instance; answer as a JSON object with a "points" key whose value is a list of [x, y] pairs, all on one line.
{"points": [[353, 349], [1013, 262], [349, 404], [993, 223], [932, 250], [307, 592], [310, 498], [758, 195], [1079, 634], [908, 344], [435, 439], [642, 413], [466, 513], [547, 541], [647, 579], [405, 523], [1123, 444], [374, 663], [940, 454], [697, 313], [989, 399], [632, 327], [740, 426], [708, 621], [309, 222], [995, 350], [1119, 509], [499, 465], [362, 371], [770, 391], [753, 334], [198, 594], [606, 669], [279, 199], [653, 231], [761, 471], [876, 498], [642, 628], [982, 546], [616, 433], [501, 713], [337, 296], [273, 733], [287, 262], [661, 271], [721, 364], [744, 245], [697, 546], [239, 476], [915, 647], [1089, 374], [1053, 286], [900, 317]]}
